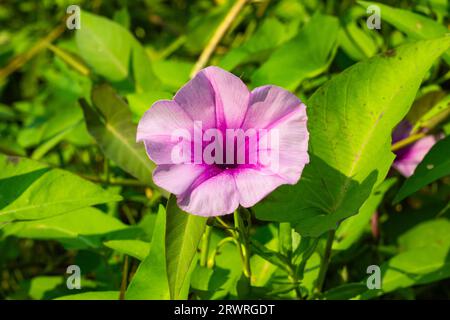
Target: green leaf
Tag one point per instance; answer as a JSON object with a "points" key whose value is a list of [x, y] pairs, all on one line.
{"points": [[350, 230], [268, 37], [150, 280], [221, 281], [350, 126], [40, 286], [110, 49], [55, 124], [434, 115], [424, 258], [414, 25], [110, 124], [261, 268], [30, 190], [274, 257], [435, 165], [141, 102], [94, 295], [136, 248], [71, 228], [7, 113], [48, 287], [426, 234], [429, 110], [143, 74], [45, 147], [173, 73], [311, 272], [356, 43], [105, 46], [413, 267], [305, 56], [345, 291], [183, 235]]}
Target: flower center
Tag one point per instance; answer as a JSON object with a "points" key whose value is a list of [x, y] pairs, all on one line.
{"points": [[226, 166]]}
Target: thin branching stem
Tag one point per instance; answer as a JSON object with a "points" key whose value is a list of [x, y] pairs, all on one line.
{"points": [[325, 261], [218, 35], [407, 141]]}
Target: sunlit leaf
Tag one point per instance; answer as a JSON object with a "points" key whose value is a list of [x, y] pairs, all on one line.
{"points": [[270, 35], [414, 25], [306, 55], [413, 267], [30, 190], [350, 126], [426, 234], [150, 280], [111, 50], [94, 295], [183, 235], [135, 248], [71, 228]]}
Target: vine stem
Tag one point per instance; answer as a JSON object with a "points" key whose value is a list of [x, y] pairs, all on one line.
{"points": [[325, 261], [124, 283], [407, 141], [69, 59], [204, 250], [218, 35], [18, 61], [244, 247], [114, 181], [212, 257]]}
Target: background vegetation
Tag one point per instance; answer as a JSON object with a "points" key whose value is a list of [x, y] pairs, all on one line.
{"points": [[75, 188]]}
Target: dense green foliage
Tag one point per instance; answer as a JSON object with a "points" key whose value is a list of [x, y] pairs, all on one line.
{"points": [[76, 188]]}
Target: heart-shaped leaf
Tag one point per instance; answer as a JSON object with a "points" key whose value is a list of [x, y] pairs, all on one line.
{"points": [[351, 118]]}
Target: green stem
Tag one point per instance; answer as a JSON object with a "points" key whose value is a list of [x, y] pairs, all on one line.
{"points": [[212, 258], [106, 171], [218, 35], [244, 247], [306, 256], [174, 46], [204, 250], [285, 238], [114, 181], [325, 261], [123, 284], [407, 141], [226, 227], [70, 60]]}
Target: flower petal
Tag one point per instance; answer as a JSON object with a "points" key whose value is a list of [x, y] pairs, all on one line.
{"points": [[253, 185], [269, 106], [177, 178], [162, 119], [215, 97], [291, 154], [413, 155], [197, 99], [213, 196], [158, 128], [275, 109]]}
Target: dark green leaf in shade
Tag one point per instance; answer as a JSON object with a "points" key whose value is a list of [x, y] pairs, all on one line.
{"points": [[435, 165]]}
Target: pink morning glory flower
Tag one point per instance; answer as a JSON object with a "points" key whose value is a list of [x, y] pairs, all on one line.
{"points": [[218, 145], [410, 156]]}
